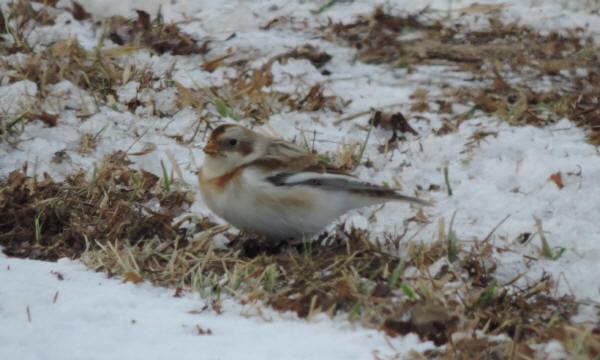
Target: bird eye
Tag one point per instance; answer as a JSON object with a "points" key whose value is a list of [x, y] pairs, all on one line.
{"points": [[233, 142]]}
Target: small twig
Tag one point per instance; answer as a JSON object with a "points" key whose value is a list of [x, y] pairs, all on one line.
{"points": [[451, 241], [353, 116], [361, 113], [495, 228], [447, 181], [513, 355]]}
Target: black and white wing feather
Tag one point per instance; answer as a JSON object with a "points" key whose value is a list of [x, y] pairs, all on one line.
{"points": [[339, 182]]}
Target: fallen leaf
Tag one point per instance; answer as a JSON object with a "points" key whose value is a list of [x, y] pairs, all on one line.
{"points": [[433, 187], [48, 119], [392, 121], [445, 106], [310, 53], [594, 138], [79, 12], [178, 292], [133, 277], [216, 306], [212, 65], [201, 331], [487, 103], [557, 178], [144, 19]]}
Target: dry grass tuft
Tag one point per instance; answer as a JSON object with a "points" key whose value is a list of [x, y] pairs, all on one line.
{"points": [[49, 220], [246, 96], [495, 57], [154, 34]]}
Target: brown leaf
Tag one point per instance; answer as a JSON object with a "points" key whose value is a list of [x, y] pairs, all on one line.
{"points": [[217, 307], [201, 331], [433, 187], [48, 119], [144, 19], [212, 65], [159, 37], [557, 178], [594, 138], [315, 100], [445, 106], [499, 82], [260, 78], [310, 53], [487, 103], [392, 121], [446, 128], [133, 277], [79, 12], [58, 275], [343, 289]]}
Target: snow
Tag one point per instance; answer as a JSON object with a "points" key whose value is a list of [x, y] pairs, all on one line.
{"points": [[84, 315], [502, 175]]}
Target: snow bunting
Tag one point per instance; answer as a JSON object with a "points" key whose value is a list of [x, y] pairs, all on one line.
{"points": [[279, 190]]}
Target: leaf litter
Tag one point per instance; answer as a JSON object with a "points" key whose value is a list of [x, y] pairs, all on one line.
{"points": [[512, 65]]}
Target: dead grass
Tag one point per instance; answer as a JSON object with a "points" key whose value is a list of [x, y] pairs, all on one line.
{"points": [[108, 223], [49, 220], [100, 71], [502, 52]]}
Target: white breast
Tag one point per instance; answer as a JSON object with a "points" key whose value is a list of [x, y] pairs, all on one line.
{"points": [[253, 204]]}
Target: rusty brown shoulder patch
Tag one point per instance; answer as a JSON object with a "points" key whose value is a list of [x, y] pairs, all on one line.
{"points": [[220, 182]]}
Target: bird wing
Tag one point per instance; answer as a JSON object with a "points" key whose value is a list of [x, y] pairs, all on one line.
{"points": [[284, 157], [338, 182], [286, 164]]}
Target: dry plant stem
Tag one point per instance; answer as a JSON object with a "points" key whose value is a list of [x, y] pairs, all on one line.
{"points": [[366, 112], [489, 235]]}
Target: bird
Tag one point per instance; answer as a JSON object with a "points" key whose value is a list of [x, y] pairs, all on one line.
{"points": [[278, 190]]}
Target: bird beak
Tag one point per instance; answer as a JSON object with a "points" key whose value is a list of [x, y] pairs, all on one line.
{"points": [[211, 148]]}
